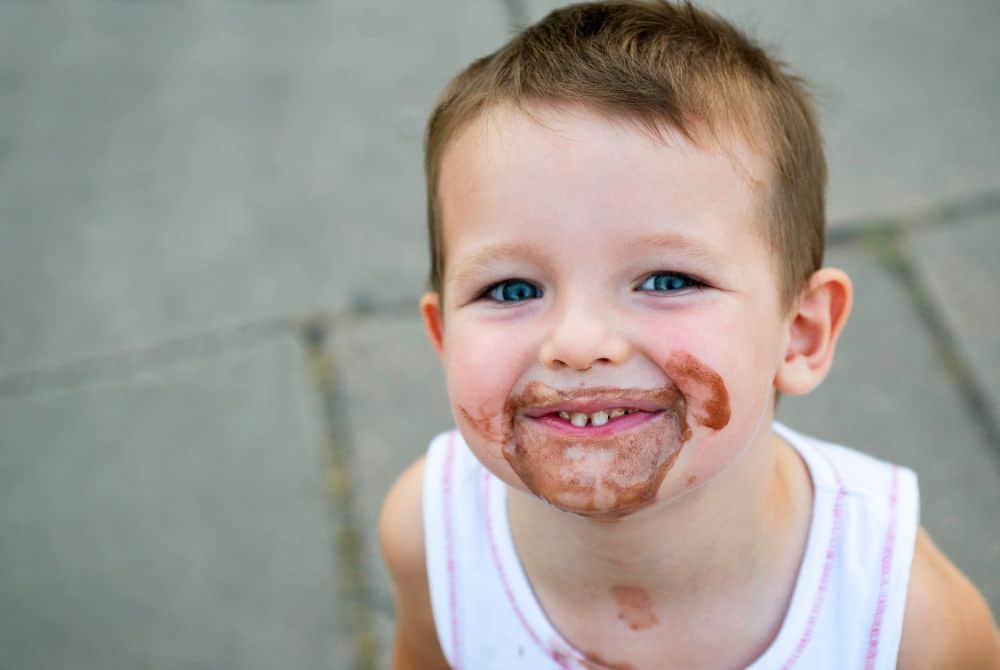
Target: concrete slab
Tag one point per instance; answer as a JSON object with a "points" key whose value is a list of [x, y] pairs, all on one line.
{"points": [[889, 394], [167, 168], [905, 91], [958, 266], [396, 402], [171, 518]]}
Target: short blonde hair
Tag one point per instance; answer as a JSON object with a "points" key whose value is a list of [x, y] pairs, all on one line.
{"points": [[661, 66]]}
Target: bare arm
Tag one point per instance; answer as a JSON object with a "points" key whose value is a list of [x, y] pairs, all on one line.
{"points": [[947, 623], [401, 533]]}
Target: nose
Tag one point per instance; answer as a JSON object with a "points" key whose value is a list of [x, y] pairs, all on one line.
{"points": [[581, 337]]}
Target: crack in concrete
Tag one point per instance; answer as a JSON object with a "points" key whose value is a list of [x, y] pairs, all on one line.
{"points": [[125, 363], [122, 364], [945, 212], [891, 253], [355, 602]]}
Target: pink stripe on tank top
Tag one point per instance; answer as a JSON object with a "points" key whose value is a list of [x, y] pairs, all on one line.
{"points": [[831, 553], [446, 491], [555, 656], [887, 547]]}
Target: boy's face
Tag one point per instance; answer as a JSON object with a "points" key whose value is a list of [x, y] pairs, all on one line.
{"points": [[590, 269]]}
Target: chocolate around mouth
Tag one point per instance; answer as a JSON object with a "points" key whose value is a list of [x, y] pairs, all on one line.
{"points": [[613, 475], [600, 477]]}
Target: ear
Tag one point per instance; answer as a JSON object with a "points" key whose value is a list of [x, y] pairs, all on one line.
{"points": [[816, 321], [430, 309]]}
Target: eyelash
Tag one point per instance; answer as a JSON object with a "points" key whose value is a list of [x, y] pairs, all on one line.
{"points": [[691, 282]]}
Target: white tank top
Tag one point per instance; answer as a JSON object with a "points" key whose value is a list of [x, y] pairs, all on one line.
{"points": [[846, 610]]}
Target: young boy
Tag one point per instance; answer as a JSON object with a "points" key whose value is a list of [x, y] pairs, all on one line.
{"points": [[626, 214]]}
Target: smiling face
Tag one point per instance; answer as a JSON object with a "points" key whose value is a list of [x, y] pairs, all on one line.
{"points": [[610, 325]]}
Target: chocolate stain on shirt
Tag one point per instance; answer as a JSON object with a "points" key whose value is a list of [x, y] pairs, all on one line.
{"points": [[592, 661], [635, 607], [606, 478]]}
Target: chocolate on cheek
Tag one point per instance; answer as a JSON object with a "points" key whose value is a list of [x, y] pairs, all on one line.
{"points": [[483, 423], [707, 397], [609, 477]]}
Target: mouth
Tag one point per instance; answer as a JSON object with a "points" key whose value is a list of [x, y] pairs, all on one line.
{"points": [[595, 424], [597, 451]]}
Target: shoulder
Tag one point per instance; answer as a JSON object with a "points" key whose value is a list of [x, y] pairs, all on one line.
{"points": [[946, 623], [401, 523], [401, 536]]}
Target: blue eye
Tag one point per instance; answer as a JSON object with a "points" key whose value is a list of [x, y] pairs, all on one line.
{"points": [[669, 282], [513, 290]]}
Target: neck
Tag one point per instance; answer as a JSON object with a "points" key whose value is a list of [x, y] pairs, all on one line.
{"points": [[717, 538]]}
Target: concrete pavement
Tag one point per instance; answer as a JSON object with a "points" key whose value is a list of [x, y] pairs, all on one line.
{"points": [[212, 242]]}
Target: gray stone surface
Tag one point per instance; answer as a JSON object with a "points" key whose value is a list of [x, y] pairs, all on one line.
{"points": [[173, 171], [890, 394], [396, 402], [172, 518], [166, 167], [958, 266], [906, 93]]}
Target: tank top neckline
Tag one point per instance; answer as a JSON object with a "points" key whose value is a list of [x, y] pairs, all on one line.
{"points": [[811, 583]]}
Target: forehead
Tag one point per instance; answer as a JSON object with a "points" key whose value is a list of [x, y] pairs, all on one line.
{"points": [[567, 170]]}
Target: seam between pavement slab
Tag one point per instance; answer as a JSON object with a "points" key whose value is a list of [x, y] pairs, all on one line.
{"points": [[352, 574], [946, 212], [83, 371], [887, 244], [125, 363]]}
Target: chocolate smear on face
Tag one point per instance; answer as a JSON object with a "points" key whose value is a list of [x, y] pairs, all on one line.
{"points": [[610, 476], [702, 386], [483, 423], [605, 476], [635, 607]]}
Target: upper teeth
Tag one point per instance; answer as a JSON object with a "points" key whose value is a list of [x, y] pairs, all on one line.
{"points": [[598, 418]]}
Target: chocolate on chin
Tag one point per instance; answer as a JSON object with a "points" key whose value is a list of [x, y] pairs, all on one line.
{"points": [[610, 476], [611, 473]]}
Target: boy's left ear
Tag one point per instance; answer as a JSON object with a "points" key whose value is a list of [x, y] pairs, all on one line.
{"points": [[816, 322]]}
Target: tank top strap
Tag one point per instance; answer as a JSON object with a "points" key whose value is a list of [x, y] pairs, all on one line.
{"points": [[876, 515]]}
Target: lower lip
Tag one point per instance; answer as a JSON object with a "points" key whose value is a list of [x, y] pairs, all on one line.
{"points": [[612, 427]]}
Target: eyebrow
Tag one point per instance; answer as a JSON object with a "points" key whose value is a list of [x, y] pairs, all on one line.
{"points": [[676, 241], [484, 258]]}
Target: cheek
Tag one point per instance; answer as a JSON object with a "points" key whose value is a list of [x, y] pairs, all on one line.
{"points": [[481, 369], [728, 381], [717, 359], [478, 360]]}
